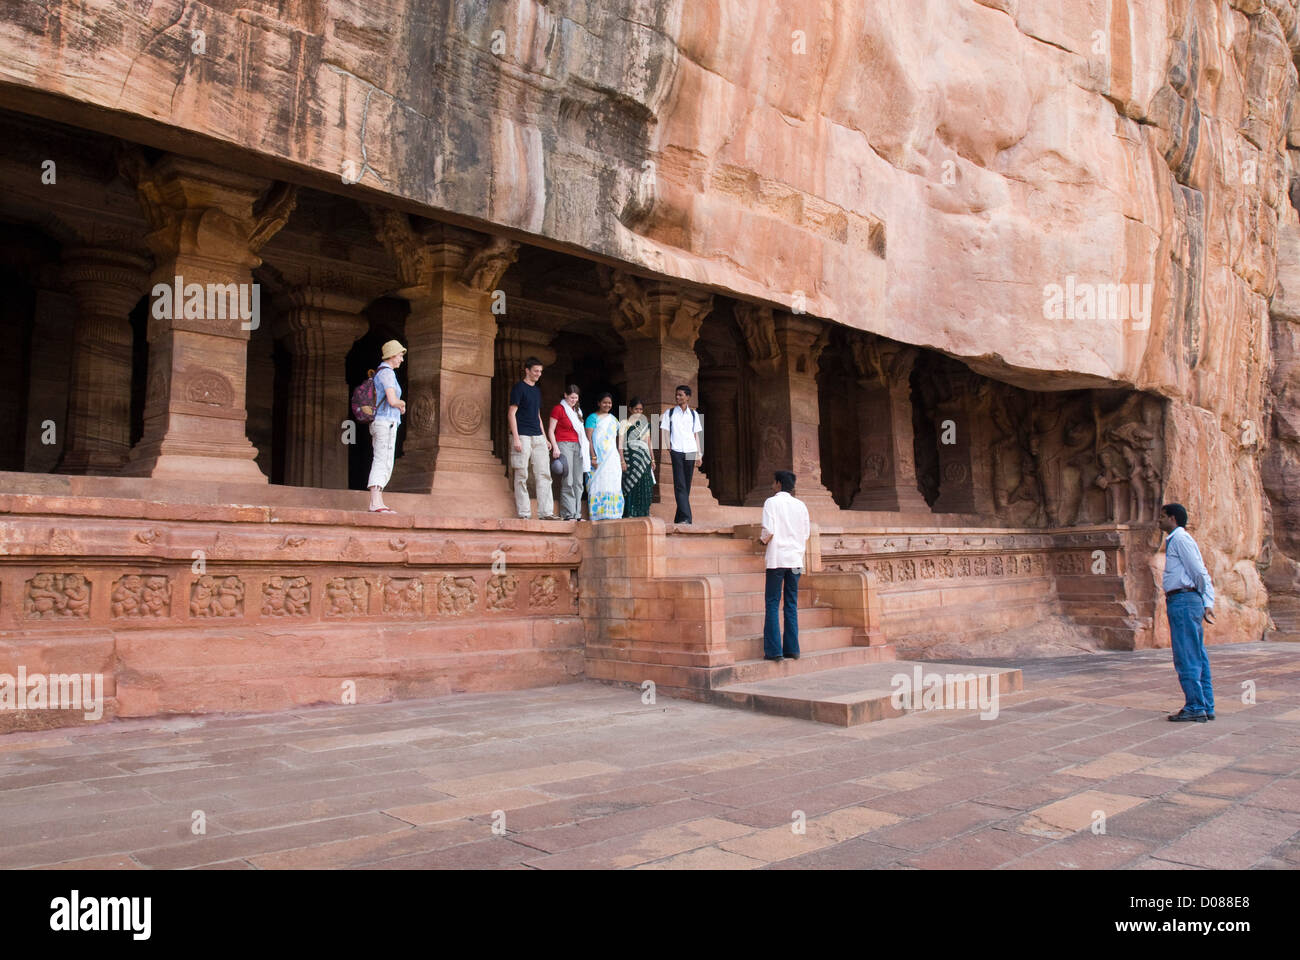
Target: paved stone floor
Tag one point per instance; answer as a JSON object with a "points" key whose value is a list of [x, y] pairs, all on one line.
{"points": [[586, 775]]}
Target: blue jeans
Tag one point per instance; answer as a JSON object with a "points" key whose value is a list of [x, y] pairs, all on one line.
{"points": [[779, 579], [1190, 659]]}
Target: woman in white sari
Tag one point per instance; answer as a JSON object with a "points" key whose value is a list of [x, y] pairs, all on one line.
{"points": [[605, 485]]}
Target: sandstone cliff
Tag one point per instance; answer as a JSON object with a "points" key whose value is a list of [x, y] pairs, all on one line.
{"points": [[923, 169]]}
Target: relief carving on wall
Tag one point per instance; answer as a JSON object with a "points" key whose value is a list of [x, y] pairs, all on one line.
{"points": [[209, 387], [424, 415], [403, 596], [465, 414], [347, 597], [136, 596], [286, 597], [213, 596], [543, 592], [501, 590], [51, 596], [456, 596]]}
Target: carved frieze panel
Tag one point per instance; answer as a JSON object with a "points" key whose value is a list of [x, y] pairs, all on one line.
{"points": [[456, 596], [54, 596], [214, 596], [347, 597], [501, 590], [286, 597], [543, 592], [136, 596], [403, 596]]}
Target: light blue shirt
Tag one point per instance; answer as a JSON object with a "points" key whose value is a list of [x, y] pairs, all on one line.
{"points": [[1185, 568], [385, 379]]}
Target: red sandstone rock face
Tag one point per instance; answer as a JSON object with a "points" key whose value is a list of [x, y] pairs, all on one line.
{"points": [[924, 169]]}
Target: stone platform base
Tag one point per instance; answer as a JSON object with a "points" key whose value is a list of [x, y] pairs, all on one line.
{"points": [[852, 695], [166, 608]]}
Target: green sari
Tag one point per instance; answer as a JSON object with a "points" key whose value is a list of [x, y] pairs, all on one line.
{"points": [[638, 479]]}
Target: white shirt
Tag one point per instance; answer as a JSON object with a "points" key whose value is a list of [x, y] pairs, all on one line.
{"points": [[681, 429], [786, 519], [1185, 568]]}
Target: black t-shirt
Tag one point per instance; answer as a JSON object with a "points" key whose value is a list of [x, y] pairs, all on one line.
{"points": [[529, 401]]}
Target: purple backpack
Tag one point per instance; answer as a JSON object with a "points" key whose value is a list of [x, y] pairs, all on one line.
{"points": [[364, 400]]}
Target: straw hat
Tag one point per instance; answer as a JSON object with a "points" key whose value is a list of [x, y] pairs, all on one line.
{"points": [[391, 349]]}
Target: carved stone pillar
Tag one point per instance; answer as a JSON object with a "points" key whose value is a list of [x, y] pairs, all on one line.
{"points": [[208, 224], [888, 480], [955, 426], [660, 322], [321, 328], [783, 350], [448, 276], [106, 284]]}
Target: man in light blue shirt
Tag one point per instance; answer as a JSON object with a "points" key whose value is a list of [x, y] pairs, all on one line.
{"points": [[1189, 600]]}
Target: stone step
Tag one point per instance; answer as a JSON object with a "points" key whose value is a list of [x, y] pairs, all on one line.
{"points": [[1130, 636], [714, 566], [686, 545], [1098, 608], [756, 668], [1086, 586], [750, 622], [748, 645], [1116, 620], [747, 601], [851, 695]]}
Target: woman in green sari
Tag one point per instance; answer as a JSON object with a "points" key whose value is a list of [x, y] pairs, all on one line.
{"points": [[638, 478]]}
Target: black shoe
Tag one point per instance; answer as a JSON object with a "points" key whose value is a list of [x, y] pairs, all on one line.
{"points": [[778, 659], [1184, 717], [1209, 716], [792, 656]]}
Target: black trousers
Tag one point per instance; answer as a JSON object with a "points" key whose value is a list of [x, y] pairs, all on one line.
{"points": [[683, 468]]}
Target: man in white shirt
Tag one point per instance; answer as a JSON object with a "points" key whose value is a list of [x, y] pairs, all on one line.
{"points": [[785, 531], [684, 435]]}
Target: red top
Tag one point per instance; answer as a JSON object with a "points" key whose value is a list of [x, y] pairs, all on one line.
{"points": [[564, 431]]}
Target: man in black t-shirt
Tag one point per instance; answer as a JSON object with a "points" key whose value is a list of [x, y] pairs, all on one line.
{"points": [[529, 444]]}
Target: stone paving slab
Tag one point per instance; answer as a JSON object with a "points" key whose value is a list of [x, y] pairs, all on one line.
{"points": [[869, 692], [1078, 770]]}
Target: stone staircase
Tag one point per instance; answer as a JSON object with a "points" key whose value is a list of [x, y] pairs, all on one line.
{"points": [[683, 607], [1098, 604], [738, 564]]}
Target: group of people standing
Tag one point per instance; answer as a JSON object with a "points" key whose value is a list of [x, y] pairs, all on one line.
{"points": [[611, 459]]}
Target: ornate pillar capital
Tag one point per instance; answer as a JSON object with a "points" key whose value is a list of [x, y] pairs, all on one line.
{"points": [[198, 209], [656, 310], [427, 252]]}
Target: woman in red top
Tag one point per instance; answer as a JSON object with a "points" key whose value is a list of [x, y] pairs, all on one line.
{"points": [[569, 441]]}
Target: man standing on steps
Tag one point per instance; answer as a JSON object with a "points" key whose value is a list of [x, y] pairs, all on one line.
{"points": [[785, 531], [684, 435], [529, 444], [1189, 599]]}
